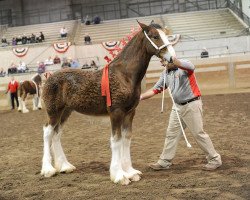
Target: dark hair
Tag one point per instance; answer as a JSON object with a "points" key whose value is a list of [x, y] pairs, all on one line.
{"points": [[157, 26]]}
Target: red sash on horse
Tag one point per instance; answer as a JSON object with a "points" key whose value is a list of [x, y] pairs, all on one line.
{"points": [[105, 85]]}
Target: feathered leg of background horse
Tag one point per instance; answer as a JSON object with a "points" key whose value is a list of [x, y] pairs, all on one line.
{"points": [[77, 90]]}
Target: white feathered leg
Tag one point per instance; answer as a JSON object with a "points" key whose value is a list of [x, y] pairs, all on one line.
{"points": [[47, 169], [61, 162], [20, 107], [40, 103], [25, 110], [117, 174], [35, 99], [133, 174]]}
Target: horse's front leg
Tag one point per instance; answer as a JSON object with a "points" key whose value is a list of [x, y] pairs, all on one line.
{"points": [[20, 107], [117, 174], [134, 174], [24, 109], [40, 98]]}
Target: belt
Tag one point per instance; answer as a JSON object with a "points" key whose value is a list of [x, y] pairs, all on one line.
{"points": [[189, 101]]}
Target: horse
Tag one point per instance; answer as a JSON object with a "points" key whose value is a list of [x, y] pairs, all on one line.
{"points": [[77, 90], [32, 87]]}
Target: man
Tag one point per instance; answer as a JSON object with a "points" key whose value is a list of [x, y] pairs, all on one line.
{"points": [[204, 53], [97, 20], [4, 42], [180, 78], [87, 39], [13, 87], [22, 67], [63, 32]]}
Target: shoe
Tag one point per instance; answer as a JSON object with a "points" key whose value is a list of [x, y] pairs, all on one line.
{"points": [[211, 166], [157, 167]]}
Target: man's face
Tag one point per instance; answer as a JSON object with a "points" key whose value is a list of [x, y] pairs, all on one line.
{"points": [[170, 65]]}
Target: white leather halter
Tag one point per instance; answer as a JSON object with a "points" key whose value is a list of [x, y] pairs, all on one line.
{"points": [[163, 37]]}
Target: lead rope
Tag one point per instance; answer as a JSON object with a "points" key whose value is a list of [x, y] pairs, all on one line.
{"points": [[163, 89], [175, 107]]}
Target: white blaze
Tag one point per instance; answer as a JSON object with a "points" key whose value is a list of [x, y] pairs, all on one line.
{"points": [[171, 51]]}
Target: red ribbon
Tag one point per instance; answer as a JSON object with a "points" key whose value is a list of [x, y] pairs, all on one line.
{"points": [[105, 85]]}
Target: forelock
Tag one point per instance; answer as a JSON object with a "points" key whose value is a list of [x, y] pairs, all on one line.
{"points": [[157, 26]]}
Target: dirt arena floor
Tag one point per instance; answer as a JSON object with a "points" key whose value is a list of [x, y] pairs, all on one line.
{"points": [[86, 144]]}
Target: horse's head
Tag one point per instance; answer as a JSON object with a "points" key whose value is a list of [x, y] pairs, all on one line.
{"points": [[38, 79], [157, 41]]}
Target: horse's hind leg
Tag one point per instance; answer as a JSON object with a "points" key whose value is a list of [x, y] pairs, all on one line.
{"points": [[39, 99], [134, 174], [39, 103], [35, 102], [47, 169], [61, 162], [20, 107]]}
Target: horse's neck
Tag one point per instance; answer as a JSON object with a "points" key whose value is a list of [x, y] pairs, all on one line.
{"points": [[36, 80], [134, 59]]}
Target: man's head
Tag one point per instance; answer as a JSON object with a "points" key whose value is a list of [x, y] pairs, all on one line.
{"points": [[12, 78], [168, 64]]}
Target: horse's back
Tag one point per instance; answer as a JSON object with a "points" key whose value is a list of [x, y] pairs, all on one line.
{"points": [[27, 87], [76, 89]]}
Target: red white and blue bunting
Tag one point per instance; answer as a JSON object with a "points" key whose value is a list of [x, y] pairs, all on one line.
{"points": [[61, 47], [20, 52], [111, 45]]}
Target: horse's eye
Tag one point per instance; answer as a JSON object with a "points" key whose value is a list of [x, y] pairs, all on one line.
{"points": [[156, 37]]}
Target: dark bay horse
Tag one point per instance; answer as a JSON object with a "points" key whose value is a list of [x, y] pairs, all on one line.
{"points": [[77, 90], [31, 87]]}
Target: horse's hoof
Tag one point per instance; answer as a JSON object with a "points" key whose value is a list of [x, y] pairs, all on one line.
{"points": [[124, 181], [48, 173], [39, 108], [25, 111], [67, 168], [121, 177], [135, 178]]}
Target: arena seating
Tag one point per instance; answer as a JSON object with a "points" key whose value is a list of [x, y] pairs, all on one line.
{"points": [[51, 31], [112, 30], [192, 25], [205, 24]]}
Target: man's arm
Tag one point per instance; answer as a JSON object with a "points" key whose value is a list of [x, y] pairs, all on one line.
{"points": [[158, 88], [148, 94], [184, 65]]}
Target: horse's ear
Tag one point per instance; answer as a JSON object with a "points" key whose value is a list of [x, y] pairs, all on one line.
{"points": [[144, 27], [167, 31]]}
